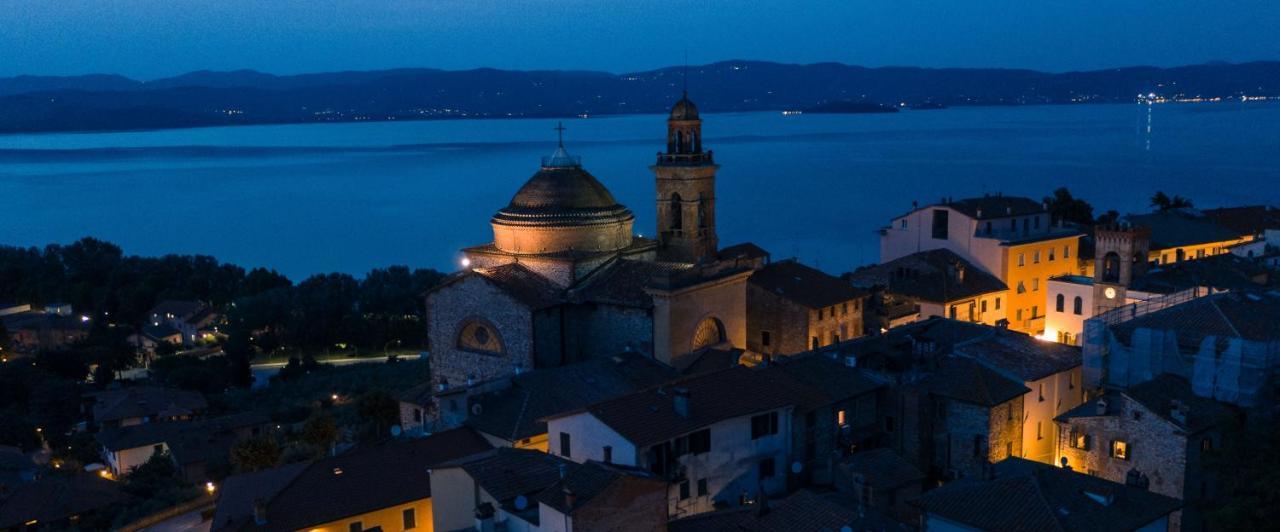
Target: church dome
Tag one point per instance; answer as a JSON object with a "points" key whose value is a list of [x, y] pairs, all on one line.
{"points": [[684, 109], [562, 208]]}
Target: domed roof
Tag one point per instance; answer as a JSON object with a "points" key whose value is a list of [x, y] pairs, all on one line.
{"points": [[684, 109], [562, 194]]}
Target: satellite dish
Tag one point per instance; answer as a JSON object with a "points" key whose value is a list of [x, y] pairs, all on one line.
{"points": [[796, 467], [395, 431], [521, 502]]}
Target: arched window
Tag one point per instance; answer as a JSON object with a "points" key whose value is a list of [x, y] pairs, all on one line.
{"points": [[679, 141], [1078, 306], [702, 213], [480, 336], [1062, 303], [677, 212], [709, 332], [1111, 268]]}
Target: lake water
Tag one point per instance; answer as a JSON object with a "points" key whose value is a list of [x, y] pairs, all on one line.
{"points": [[349, 197]]}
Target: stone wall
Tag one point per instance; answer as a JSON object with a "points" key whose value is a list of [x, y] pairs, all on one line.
{"points": [[787, 323], [474, 298], [598, 330], [1156, 448]]}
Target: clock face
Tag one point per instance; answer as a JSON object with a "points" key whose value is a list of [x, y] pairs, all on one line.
{"points": [[1109, 292]]}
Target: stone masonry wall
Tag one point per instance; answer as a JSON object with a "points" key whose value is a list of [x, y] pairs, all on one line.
{"points": [[451, 307]]}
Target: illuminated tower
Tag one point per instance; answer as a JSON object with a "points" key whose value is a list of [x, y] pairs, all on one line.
{"points": [[1120, 255], [686, 183]]}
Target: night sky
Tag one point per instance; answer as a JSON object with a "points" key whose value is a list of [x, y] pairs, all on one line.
{"points": [[155, 38]]}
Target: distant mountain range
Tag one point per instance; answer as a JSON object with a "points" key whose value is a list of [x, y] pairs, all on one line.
{"points": [[204, 98]]}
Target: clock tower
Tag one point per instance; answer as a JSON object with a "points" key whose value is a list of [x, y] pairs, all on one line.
{"points": [[1121, 254], [686, 185]]}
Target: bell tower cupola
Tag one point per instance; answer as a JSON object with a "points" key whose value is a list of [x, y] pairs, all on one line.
{"points": [[686, 185]]}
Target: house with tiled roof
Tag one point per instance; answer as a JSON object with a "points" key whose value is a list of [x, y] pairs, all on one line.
{"points": [[792, 308], [1019, 495], [60, 502], [940, 283], [193, 320], [1011, 238], [496, 488], [1050, 371], [385, 486], [193, 446], [510, 411], [801, 511], [841, 415], [882, 479], [1158, 433], [135, 405], [598, 496], [717, 438]]}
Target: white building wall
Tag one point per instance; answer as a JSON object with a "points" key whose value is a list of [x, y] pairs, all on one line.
{"points": [[898, 241], [1048, 398], [588, 437], [1067, 326]]}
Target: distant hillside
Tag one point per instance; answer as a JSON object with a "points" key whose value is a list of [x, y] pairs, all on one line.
{"points": [[204, 98]]}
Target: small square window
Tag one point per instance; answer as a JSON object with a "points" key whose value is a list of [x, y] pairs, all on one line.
{"points": [[702, 487], [1120, 449]]}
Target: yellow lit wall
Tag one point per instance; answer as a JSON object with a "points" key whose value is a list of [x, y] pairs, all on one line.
{"points": [[389, 519], [1031, 265], [536, 443], [1170, 255]]}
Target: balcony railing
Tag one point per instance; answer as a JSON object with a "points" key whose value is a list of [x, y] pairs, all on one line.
{"points": [[685, 159]]}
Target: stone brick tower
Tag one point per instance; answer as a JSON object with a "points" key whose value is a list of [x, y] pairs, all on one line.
{"points": [[686, 183], [1121, 254]]}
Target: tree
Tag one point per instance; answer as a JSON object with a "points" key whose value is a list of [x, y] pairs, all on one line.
{"points": [[1063, 207], [321, 430], [379, 410], [255, 454], [1162, 202], [1108, 218]]}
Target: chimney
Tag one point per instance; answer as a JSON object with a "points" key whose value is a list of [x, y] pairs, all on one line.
{"points": [[259, 512], [680, 398], [1101, 405]]}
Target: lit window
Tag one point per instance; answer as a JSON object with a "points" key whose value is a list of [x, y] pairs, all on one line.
{"points": [[840, 419], [1120, 449], [1035, 257], [1022, 260]]}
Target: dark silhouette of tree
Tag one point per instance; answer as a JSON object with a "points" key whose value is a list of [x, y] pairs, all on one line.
{"points": [[255, 454], [1162, 202], [321, 431], [1248, 465], [1108, 218], [379, 411], [1063, 207]]}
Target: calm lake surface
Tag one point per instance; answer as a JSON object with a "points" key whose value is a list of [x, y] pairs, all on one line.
{"points": [[316, 198]]}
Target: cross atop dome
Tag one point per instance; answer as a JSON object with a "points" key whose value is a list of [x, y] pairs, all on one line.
{"points": [[561, 157]]}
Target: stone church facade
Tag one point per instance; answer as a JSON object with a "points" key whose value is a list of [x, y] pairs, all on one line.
{"points": [[565, 278]]}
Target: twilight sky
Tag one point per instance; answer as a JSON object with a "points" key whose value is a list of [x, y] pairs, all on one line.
{"points": [[147, 39]]}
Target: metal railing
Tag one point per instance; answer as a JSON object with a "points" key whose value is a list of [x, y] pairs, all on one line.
{"points": [[676, 159]]}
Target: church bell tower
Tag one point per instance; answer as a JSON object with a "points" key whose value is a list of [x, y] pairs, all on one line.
{"points": [[686, 183], [1120, 256]]}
